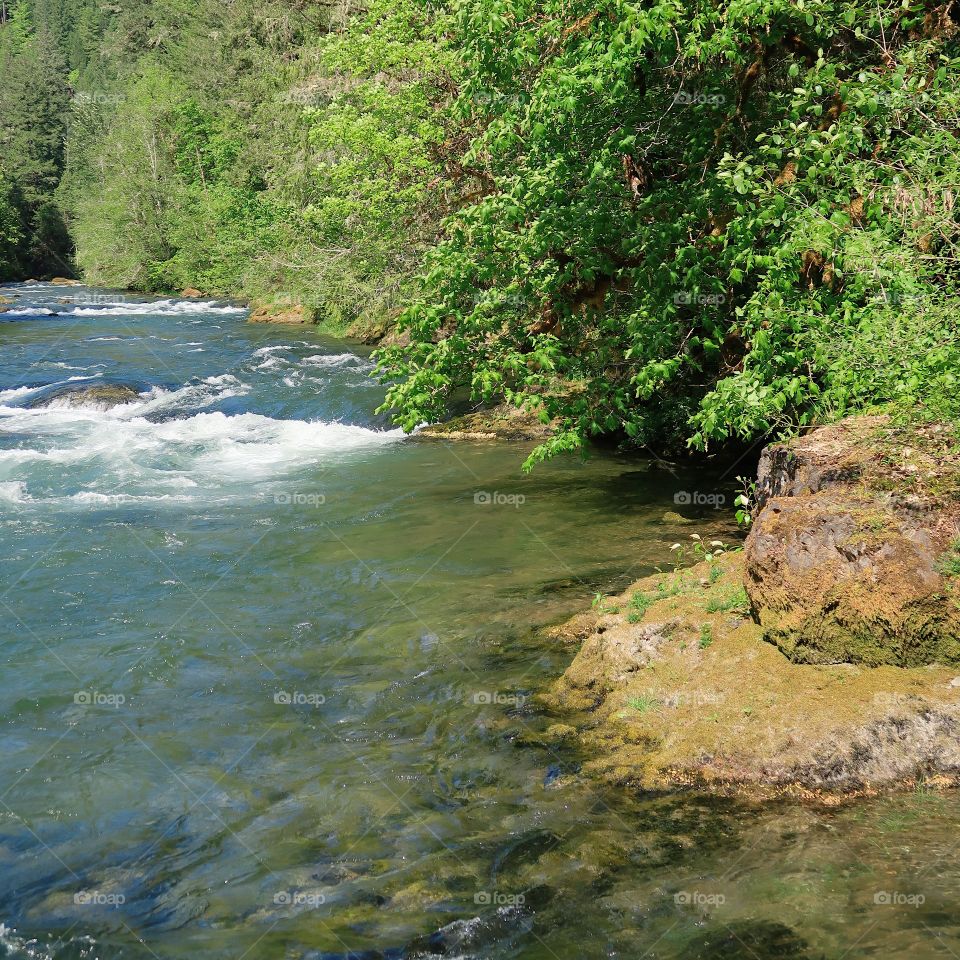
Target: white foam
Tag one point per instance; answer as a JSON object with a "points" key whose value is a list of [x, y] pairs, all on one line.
{"points": [[92, 498], [59, 365], [16, 946], [271, 360], [335, 360], [270, 363], [13, 491], [6, 395], [154, 307], [206, 457], [265, 351]]}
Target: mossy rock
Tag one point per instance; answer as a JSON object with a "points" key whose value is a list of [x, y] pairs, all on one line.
{"points": [[286, 313], [655, 709], [101, 396], [503, 422], [852, 554]]}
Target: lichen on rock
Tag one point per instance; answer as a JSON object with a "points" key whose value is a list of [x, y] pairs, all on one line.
{"points": [[848, 558], [288, 313], [656, 707], [503, 422]]}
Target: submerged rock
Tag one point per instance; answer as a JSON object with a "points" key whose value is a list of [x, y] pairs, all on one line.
{"points": [[853, 556], [102, 396], [743, 939]]}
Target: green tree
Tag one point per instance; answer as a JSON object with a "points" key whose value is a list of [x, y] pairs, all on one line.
{"points": [[684, 210], [34, 106], [11, 236]]}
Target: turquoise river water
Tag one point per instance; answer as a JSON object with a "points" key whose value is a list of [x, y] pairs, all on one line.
{"points": [[268, 669]]}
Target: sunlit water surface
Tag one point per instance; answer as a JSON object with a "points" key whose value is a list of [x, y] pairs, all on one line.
{"points": [[267, 678]]}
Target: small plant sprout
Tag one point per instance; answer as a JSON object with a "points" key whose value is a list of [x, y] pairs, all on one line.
{"points": [[744, 501], [707, 551], [642, 703], [599, 604]]}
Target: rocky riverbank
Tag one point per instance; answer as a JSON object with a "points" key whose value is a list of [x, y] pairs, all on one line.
{"points": [[822, 660]]}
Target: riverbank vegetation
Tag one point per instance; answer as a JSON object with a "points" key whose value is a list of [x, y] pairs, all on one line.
{"points": [[666, 223]]}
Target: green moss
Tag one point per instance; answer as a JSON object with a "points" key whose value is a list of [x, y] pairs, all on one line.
{"points": [[743, 718], [734, 601], [949, 563], [642, 703]]}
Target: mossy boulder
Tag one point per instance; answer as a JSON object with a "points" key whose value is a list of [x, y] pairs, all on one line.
{"points": [[100, 396], [674, 686], [290, 313], [852, 557], [503, 422]]}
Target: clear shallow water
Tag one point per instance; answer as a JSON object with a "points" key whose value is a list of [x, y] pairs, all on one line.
{"points": [[266, 680]]}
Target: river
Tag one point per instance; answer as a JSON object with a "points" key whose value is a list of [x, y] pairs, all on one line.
{"points": [[268, 678]]}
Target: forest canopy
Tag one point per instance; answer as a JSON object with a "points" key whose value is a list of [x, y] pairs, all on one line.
{"points": [[670, 223]]}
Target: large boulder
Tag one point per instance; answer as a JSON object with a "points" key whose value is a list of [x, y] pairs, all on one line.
{"points": [[100, 396], [853, 555]]}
